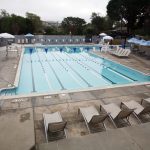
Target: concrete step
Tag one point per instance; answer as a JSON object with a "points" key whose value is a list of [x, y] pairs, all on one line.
{"points": [[128, 138]]}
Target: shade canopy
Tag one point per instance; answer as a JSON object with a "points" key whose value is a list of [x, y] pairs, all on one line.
{"points": [[7, 35], [107, 38], [102, 34], [146, 43], [139, 42], [133, 40], [29, 35]]}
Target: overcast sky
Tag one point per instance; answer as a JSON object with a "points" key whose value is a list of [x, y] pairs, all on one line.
{"points": [[55, 10]]}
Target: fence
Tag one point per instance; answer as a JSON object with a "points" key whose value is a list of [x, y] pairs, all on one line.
{"points": [[49, 39]]}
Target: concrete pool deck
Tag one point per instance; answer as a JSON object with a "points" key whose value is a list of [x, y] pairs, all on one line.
{"points": [[8, 67], [21, 119], [17, 130], [22, 122]]}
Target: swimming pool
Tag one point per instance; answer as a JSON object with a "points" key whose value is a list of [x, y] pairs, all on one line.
{"points": [[57, 68]]}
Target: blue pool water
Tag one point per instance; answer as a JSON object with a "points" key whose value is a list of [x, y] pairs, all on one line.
{"points": [[64, 68]]}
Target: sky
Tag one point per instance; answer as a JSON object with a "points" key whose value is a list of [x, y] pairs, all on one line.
{"points": [[55, 10]]}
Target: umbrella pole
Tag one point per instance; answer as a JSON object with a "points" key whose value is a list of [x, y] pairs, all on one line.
{"points": [[6, 50]]}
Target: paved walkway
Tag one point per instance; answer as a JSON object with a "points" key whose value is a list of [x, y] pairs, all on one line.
{"points": [[8, 67], [17, 130], [129, 138]]}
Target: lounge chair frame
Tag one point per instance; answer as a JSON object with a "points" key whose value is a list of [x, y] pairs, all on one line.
{"points": [[118, 117], [146, 110], [46, 129], [88, 124]]}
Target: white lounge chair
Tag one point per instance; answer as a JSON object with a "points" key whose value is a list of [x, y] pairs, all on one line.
{"points": [[92, 118], [105, 47], [115, 50], [126, 52], [121, 52], [54, 124]]}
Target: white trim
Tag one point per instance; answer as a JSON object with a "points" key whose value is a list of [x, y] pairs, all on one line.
{"points": [[16, 82], [71, 91]]}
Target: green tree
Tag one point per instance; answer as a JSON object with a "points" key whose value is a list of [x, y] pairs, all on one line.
{"points": [[18, 24], [89, 30], [129, 11], [36, 21], [108, 23], [74, 25], [50, 31], [97, 22], [29, 26], [5, 24], [5, 21], [3, 13], [15, 24]]}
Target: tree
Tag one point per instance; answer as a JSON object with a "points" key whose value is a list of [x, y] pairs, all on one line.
{"points": [[89, 30], [3, 13], [15, 24], [18, 24], [5, 24], [5, 21], [108, 23], [50, 31], [98, 23], [29, 26], [74, 25], [129, 11], [36, 21]]}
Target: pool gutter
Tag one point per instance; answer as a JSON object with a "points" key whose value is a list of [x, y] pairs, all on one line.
{"points": [[71, 91]]}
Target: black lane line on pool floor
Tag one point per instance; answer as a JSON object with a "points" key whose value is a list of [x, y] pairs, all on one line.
{"points": [[63, 66], [45, 74], [62, 87], [110, 68], [33, 83], [122, 74], [91, 69], [89, 85], [59, 62], [96, 62]]}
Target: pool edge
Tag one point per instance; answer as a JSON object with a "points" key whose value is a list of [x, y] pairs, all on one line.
{"points": [[71, 91]]}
